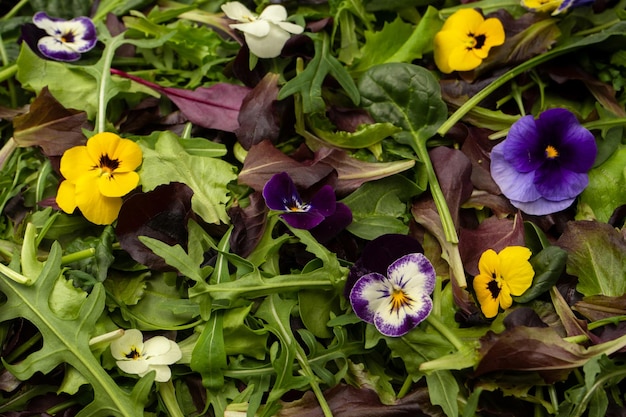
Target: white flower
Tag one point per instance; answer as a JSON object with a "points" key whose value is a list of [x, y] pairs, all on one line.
{"points": [[134, 356], [265, 34], [67, 39]]}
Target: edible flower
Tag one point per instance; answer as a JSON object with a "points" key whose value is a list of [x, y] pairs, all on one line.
{"points": [[465, 39], [66, 40], [542, 164], [398, 302], [265, 34], [502, 275], [98, 175], [554, 6], [280, 194], [134, 356]]}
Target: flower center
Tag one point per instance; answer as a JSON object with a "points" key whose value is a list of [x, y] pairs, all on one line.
{"points": [[134, 354], [494, 286], [551, 152], [107, 165], [297, 206], [475, 41], [399, 299]]}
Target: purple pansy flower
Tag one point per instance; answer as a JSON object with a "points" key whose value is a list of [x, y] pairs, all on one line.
{"points": [[571, 4], [542, 165], [280, 194], [398, 302], [65, 40]]}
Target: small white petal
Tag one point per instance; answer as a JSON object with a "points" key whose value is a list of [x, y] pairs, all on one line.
{"points": [[291, 27], [258, 28], [156, 346], [131, 339], [172, 355], [237, 11], [274, 13], [269, 46], [136, 366], [163, 373]]}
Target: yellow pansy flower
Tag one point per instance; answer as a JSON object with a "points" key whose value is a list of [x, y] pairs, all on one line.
{"points": [[502, 275], [465, 40], [98, 175]]}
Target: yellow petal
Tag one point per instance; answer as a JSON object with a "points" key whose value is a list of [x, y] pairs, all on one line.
{"points": [[66, 197], [125, 152], [488, 304], [494, 33], [463, 59], [505, 297], [464, 21], [489, 263], [96, 207], [515, 269], [118, 184], [444, 44], [76, 162]]}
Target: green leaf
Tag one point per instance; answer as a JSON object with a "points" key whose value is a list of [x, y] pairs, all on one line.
{"points": [[207, 177], [607, 183], [443, 390], [399, 41], [596, 256], [548, 265], [315, 311], [405, 95], [365, 136], [174, 256], [209, 355], [309, 82], [378, 207], [65, 340]]}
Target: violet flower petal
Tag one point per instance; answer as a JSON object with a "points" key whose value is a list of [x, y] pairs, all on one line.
{"points": [[556, 183], [365, 296], [513, 184], [578, 149], [523, 148], [280, 192], [541, 206], [333, 224], [324, 201], [303, 219]]}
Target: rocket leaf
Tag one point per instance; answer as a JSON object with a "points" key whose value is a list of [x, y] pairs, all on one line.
{"points": [[66, 340]]}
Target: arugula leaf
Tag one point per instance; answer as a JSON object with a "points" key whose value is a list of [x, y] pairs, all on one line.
{"points": [[309, 82], [207, 177], [66, 340]]}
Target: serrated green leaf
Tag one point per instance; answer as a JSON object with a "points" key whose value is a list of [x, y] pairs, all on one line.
{"points": [[64, 340], [207, 177]]}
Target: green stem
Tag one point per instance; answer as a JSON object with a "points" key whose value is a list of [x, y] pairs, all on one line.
{"points": [[445, 332], [599, 124], [105, 80], [8, 72], [15, 276], [406, 386], [581, 405], [15, 9], [168, 396], [435, 189], [78, 256], [23, 348]]}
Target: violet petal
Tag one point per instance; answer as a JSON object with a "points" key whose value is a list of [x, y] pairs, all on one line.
{"points": [[541, 206], [324, 201], [513, 184], [522, 147], [303, 219], [280, 192], [556, 183]]}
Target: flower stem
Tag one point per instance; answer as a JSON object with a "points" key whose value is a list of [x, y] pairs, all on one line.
{"points": [[15, 276], [406, 386], [445, 332]]}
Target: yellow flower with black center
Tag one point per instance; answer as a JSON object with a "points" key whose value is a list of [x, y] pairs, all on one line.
{"points": [[465, 40], [98, 175], [502, 275]]}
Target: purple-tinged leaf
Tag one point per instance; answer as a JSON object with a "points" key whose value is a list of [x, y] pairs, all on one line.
{"points": [[249, 225], [258, 118], [492, 233], [160, 214], [599, 307], [50, 126], [214, 107], [453, 170], [537, 349]]}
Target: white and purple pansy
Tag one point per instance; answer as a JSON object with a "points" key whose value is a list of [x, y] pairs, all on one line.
{"points": [[398, 302], [65, 40], [542, 164]]}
